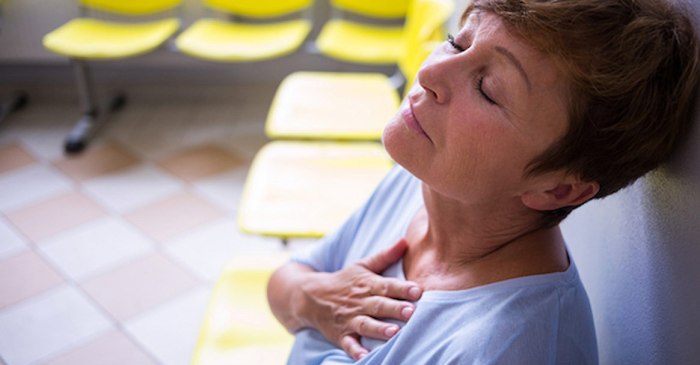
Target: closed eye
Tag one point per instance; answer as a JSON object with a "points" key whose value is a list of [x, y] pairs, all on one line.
{"points": [[453, 43], [480, 87], [479, 84]]}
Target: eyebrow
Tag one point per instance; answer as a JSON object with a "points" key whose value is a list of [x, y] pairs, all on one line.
{"points": [[519, 66]]}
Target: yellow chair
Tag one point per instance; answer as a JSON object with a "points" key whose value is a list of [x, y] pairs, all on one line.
{"points": [[88, 38], [364, 42], [354, 106], [238, 326], [327, 105], [306, 189], [236, 41]]}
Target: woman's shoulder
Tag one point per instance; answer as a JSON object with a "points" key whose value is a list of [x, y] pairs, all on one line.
{"points": [[549, 312]]}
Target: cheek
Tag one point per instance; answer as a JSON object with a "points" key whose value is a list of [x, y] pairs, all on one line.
{"points": [[473, 136], [487, 149]]}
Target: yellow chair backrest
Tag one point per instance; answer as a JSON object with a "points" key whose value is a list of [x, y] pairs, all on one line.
{"points": [[425, 26], [259, 8], [375, 8], [131, 7]]}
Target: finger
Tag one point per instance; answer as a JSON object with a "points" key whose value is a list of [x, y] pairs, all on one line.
{"points": [[381, 261], [352, 347], [380, 307], [396, 288], [371, 327]]}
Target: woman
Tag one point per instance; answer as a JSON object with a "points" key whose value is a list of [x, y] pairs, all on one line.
{"points": [[532, 109]]}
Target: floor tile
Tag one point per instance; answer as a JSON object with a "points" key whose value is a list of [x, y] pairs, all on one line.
{"points": [[113, 348], [224, 190], [96, 247], [47, 324], [215, 121], [13, 156], [29, 185], [206, 250], [24, 275], [48, 217], [96, 161], [154, 130], [190, 207], [11, 242], [42, 128], [170, 331], [246, 142], [213, 114], [139, 285], [132, 188], [201, 162], [174, 215]]}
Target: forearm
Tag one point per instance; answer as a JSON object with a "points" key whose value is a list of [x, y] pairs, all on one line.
{"points": [[285, 295]]}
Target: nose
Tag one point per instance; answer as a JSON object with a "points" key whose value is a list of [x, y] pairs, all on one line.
{"points": [[434, 77]]}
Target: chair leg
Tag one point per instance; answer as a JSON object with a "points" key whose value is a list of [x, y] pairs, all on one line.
{"points": [[15, 103], [92, 117], [83, 129]]}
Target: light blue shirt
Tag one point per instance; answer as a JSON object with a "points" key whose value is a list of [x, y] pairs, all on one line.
{"points": [[539, 319]]}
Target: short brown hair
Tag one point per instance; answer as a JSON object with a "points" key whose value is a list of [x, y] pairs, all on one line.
{"points": [[633, 66]]}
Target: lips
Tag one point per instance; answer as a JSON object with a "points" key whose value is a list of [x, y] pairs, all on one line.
{"points": [[412, 122]]}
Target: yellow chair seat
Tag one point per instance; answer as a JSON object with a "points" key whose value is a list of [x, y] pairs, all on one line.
{"points": [[306, 189], [217, 40], [142, 7], [97, 39], [326, 105], [259, 9], [359, 43], [377, 9], [238, 327]]}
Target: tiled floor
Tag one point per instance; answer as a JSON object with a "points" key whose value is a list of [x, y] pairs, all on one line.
{"points": [[109, 257]]}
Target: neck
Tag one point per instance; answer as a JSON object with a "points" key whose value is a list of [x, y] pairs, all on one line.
{"points": [[453, 245]]}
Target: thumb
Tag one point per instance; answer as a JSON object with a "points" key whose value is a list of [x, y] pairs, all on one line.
{"points": [[381, 261]]}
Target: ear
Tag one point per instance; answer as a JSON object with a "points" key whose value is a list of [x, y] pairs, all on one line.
{"points": [[571, 192]]}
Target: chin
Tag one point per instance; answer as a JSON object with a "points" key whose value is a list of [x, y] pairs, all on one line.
{"points": [[401, 152]]}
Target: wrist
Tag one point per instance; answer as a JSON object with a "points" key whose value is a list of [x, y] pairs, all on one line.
{"points": [[305, 301]]}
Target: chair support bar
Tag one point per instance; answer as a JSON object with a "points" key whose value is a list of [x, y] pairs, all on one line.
{"points": [[92, 116], [16, 102], [86, 92]]}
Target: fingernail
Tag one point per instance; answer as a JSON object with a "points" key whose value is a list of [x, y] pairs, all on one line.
{"points": [[390, 331], [414, 292], [406, 312]]}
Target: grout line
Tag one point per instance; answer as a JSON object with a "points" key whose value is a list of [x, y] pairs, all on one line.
{"points": [[159, 248], [114, 321]]}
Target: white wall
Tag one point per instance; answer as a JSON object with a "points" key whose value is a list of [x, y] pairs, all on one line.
{"points": [[638, 252]]}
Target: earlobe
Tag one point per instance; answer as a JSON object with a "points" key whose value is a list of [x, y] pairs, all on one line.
{"points": [[563, 195]]}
